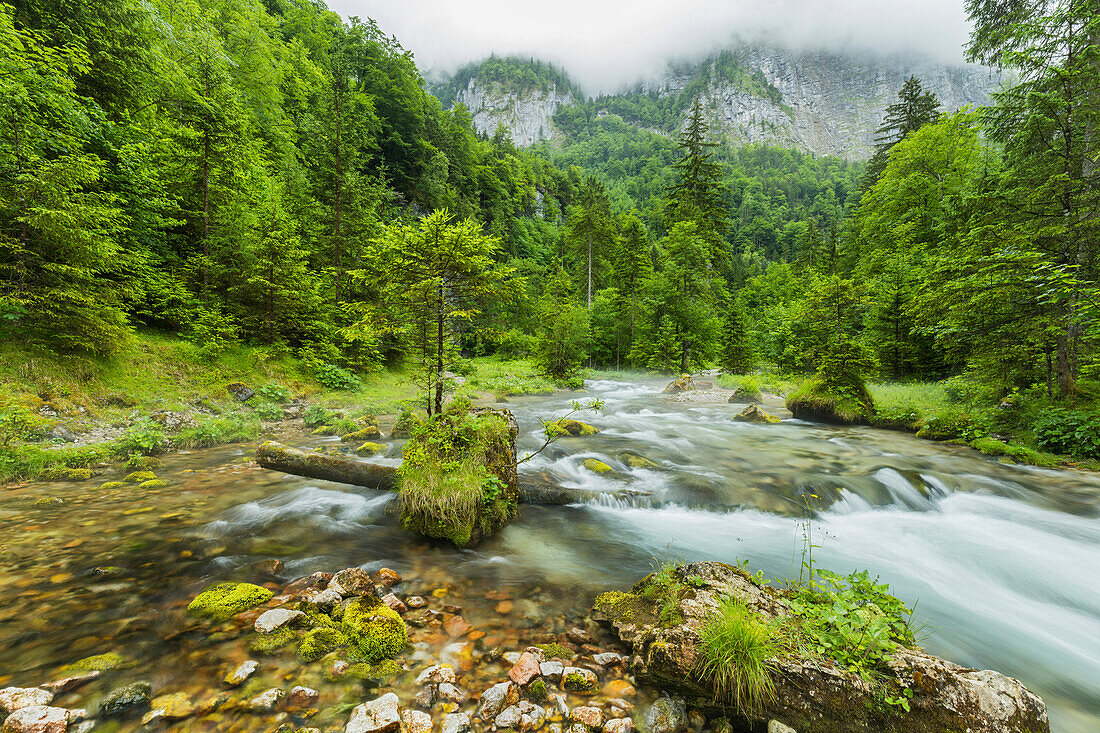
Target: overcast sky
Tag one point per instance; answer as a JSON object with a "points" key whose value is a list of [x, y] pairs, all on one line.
{"points": [[606, 44]]}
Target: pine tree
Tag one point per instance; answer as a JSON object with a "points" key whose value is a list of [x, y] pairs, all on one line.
{"points": [[632, 267], [590, 230], [914, 109], [736, 356], [698, 194]]}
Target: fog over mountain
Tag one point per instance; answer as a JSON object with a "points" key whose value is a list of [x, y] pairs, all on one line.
{"points": [[608, 44]]}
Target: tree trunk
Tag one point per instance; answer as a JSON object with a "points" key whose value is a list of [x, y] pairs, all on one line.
{"points": [[439, 356], [589, 270], [279, 457]]}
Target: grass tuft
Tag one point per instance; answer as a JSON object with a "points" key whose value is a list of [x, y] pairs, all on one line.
{"points": [[737, 656]]}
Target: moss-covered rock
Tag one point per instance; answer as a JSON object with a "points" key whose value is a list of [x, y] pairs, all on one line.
{"points": [[819, 401], [125, 699], [636, 460], [595, 465], [143, 463], [747, 393], [157, 483], [370, 449], [272, 642], [373, 629], [682, 383], [318, 642], [222, 601], [753, 414], [138, 477], [99, 663], [113, 485], [367, 433], [572, 428], [64, 473]]}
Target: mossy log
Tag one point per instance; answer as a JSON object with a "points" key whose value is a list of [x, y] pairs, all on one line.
{"points": [[279, 457]]}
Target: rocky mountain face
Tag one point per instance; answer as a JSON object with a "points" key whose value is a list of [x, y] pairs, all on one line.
{"points": [[820, 102]]}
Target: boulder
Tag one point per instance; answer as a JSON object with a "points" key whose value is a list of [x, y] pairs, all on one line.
{"points": [[15, 698], [753, 414], [125, 699], [667, 715], [682, 383], [595, 465], [495, 699], [352, 582], [817, 401], [810, 694], [276, 618], [526, 668], [222, 601], [572, 428], [377, 716], [37, 719]]}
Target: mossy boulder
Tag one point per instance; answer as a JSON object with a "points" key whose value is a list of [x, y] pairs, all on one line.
{"points": [[682, 383], [156, 483], [373, 629], [138, 477], [271, 643], [753, 414], [113, 485], [64, 473], [99, 663], [747, 393], [125, 699], [367, 433], [572, 428], [636, 460], [318, 642], [595, 465], [223, 601], [820, 401], [370, 449]]}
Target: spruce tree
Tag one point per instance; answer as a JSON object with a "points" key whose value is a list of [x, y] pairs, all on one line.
{"points": [[698, 194], [914, 109], [736, 356]]}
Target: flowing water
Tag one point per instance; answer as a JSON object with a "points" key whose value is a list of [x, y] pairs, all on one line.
{"points": [[1001, 560]]}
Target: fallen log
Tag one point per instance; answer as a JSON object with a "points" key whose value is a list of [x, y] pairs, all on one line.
{"points": [[279, 457]]}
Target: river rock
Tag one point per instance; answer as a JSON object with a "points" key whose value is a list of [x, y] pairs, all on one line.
{"points": [[552, 669], [774, 726], [667, 715], [37, 719], [72, 682], [451, 693], [301, 698], [815, 695], [496, 698], [276, 618], [753, 414], [436, 674], [521, 716], [243, 671], [377, 716], [416, 721], [415, 602], [86, 727], [169, 707], [352, 582], [619, 725], [590, 716], [456, 723], [456, 626], [525, 669], [395, 603], [619, 688], [608, 659], [682, 383], [579, 679], [15, 698], [266, 700], [123, 699], [323, 599], [387, 577]]}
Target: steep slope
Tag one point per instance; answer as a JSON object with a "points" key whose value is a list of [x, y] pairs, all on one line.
{"points": [[819, 102]]}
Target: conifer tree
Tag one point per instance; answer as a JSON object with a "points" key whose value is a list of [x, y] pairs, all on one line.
{"points": [[914, 109]]}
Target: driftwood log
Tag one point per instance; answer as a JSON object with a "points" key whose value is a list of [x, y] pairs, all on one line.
{"points": [[279, 457]]}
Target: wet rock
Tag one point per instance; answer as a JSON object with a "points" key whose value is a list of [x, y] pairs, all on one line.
{"points": [[416, 721], [222, 601], [169, 707], [774, 726], [456, 626], [578, 636], [76, 715], [696, 720], [86, 727], [451, 693], [682, 383], [636, 460], [37, 719], [619, 725], [504, 608], [243, 671], [416, 602], [525, 669], [352, 582], [426, 697], [322, 599], [621, 707], [667, 715], [595, 465], [125, 699], [753, 414], [552, 669], [15, 698], [456, 723], [395, 603], [578, 679], [592, 717], [436, 674], [608, 659], [339, 667], [496, 698], [459, 655], [619, 688], [276, 618], [377, 716], [301, 698], [387, 577], [522, 716], [267, 700], [573, 428]]}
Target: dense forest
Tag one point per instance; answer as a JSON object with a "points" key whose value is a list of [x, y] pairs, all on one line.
{"points": [[265, 172]]}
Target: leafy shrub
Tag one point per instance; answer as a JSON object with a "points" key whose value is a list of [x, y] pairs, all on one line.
{"points": [[1073, 432], [516, 344], [951, 424], [21, 425], [335, 377], [269, 412], [738, 649], [143, 439], [274, 393], [316, 415]]}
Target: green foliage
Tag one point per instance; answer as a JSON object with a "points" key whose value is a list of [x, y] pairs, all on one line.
{"points": [[335, 377], [222, 601], [276, 393], [316, 415], [737, 651], [852, 620], [1073, 432]]}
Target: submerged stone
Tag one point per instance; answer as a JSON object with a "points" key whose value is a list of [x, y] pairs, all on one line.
{"points": [[223, 601], [753, 414], [123, 699], [596, 466], [573, 428], [377, 716]]}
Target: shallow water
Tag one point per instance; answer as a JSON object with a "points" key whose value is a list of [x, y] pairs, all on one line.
{"points": [[1001, 560]]}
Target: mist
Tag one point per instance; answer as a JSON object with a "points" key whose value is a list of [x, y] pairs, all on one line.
{"points": [[606, 45]]}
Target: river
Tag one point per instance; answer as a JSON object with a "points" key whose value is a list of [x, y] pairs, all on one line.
{"points": [[1000, 560]]}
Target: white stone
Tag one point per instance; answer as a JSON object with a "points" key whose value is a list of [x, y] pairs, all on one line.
{"points": [[436, 674], [276, 618], [267, 700], [37, 719], [456, 723], [377, 716], [774, 726], [415, 721], [552, 669], [15, 698], [495, 699], [243, 671]]}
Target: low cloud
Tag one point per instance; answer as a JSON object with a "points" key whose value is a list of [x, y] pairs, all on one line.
{"points": [[608, 44]]}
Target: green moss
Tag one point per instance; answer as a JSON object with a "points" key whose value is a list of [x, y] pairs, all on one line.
{"points": [[576, 682], [572, 428], [596, 466], [537, 690], [374, 629], [380, 673], [635, 460], [318, 642], [64, 473], [143, 463], [370, 449], [113, 485], [99, 663], [156, 483], [816, 400], [624, 607], [360, 435], [269, 643], [315, 619], [222, 601], [1018, 453], [138, 477], [554, 650]]}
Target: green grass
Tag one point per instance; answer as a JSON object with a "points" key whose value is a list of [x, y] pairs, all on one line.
{"points": [[509, 378], [738, 648]]}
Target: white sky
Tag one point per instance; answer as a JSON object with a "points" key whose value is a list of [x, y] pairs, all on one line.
{"points": [[607, 44]]}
